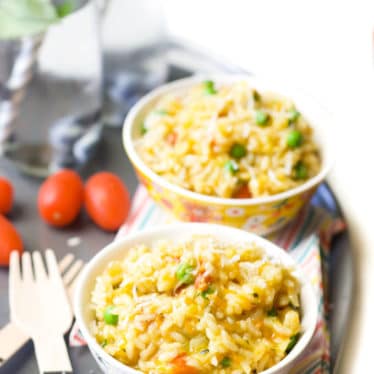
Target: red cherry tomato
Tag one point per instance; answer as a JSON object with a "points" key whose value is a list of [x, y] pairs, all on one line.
{"points": [[6, 196], [107, 200], [9, 240], [60, 198]]}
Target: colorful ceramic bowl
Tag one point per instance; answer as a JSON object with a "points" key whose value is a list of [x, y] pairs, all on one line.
{"points": [[260, 215], [182, 231]]}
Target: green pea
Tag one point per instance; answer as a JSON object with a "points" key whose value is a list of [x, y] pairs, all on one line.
{"points": [[294, 139], [209, 88], [292, 342], [237, 151], [301, 171], [262, 118], [143, 129], [231, 166], [110, 318], [272, 312], [184, 273], [226, 362], [293, 115]]}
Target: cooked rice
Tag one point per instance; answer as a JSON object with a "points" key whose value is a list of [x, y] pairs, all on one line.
{"points": [[187, 140], [238, 313]]}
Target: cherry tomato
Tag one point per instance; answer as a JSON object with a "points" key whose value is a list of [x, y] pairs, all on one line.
{"points": [[60, 198], [9, 240], [107, 200], [6, 196]]}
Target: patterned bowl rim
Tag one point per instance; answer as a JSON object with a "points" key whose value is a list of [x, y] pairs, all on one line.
{"points": [[182, 231], [145, 104]]}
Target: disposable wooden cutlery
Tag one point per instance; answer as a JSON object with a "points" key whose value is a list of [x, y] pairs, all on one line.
{"points": [[15, 339], [39, 307]]}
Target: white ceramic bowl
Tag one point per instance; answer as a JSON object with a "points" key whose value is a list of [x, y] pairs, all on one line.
{"points": [[177, 232]]}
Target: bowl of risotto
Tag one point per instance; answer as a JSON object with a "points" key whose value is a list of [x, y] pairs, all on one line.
{"points": [[229, 149], [195, 298]]}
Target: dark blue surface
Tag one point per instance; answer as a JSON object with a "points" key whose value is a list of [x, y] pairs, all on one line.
{"points": [[325, 198]]}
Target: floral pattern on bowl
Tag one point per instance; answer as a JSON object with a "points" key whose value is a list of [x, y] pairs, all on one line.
{"points": [[261, 219]]}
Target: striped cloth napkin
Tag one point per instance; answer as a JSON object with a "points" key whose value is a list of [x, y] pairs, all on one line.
{"points": [[307, 239]]}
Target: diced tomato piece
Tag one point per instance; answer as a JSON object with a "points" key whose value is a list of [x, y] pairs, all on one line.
{"points": [[180, 366], [202, 281], [171, 138], [243, 192]]}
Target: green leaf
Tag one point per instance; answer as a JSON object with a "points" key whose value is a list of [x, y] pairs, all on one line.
{"points": [[20, 18], [65, 8]]}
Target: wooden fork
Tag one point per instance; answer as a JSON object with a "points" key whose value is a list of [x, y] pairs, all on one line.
{"points": [[10, 333], [39, 306]]}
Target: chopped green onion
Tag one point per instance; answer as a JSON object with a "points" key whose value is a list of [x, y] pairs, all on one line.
{"points": [[143, 129], [104, 343], [231, 166], [272, 312], [226, 362], [292, 343], [301, 171], [210, 290], [262, 118], [293, 115], [237, 151], [110, 318], [256, 96], [184, 273], [209, 88], [161, 112], [294, 139]]}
